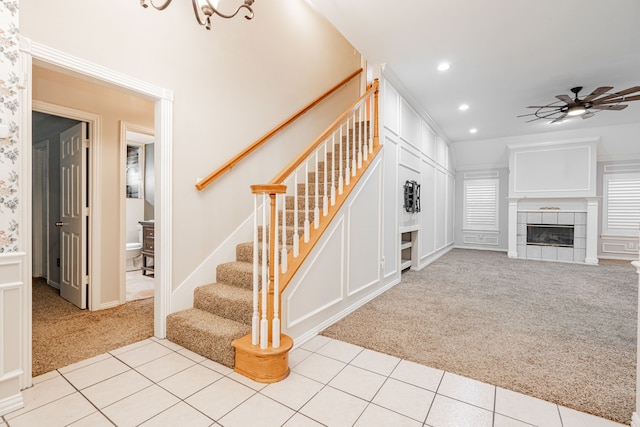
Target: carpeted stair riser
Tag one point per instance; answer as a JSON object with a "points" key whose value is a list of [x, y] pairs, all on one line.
{"points": [[312, 203], [290, 233], [244, 252], [206, 334], [236, 273], [230, 302]]}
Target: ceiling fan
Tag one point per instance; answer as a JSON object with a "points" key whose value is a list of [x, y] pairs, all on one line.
{"points": [[598, 100]]}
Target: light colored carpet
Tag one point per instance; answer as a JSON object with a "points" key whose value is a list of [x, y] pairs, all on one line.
{"points": [[565, 333], [63, 334]]}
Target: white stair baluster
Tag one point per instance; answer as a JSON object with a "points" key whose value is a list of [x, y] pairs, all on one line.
{"points": [[264, 323], [325, 197], [340, 175], [370, 127], [360, 137], [365, 131], [255, 319], [275, 323], [296, 234], [354, 160], [283, 250], [306, 201], [333, 170], [347, 172], [316, 187]]}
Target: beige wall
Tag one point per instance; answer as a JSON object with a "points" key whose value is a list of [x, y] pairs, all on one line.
{"points": [[231, 85], [113, 106]]}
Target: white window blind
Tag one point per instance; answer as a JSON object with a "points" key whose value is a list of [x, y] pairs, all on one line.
{"points": [[622, 204], [481, 204]]}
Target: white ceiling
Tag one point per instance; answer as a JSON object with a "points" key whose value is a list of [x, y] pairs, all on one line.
{"points": [[505, 55]]}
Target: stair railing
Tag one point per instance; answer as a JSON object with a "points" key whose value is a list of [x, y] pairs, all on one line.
{"points": [[202, 184], [292, 211]]}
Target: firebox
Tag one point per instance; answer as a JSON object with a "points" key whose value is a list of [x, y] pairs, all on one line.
{"points": [[550, 235]]}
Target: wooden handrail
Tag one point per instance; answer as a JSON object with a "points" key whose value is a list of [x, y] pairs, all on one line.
{"points": [[244, 153], [291, 167]]}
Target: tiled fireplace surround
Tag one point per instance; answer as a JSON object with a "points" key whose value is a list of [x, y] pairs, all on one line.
{"points": [[553, 253]]}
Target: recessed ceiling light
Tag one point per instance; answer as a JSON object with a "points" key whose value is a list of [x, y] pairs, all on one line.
{"points": [[463, 107], [444, 66], [473, 130]]}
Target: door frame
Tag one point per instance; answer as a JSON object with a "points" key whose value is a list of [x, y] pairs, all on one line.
{"points": [[163, 118], [41, 217]]}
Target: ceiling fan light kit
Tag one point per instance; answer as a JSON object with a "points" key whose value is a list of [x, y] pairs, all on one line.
{"points": [[598, 100]]}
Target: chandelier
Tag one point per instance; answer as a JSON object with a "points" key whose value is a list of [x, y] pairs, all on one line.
{"points": [[205, 9]]}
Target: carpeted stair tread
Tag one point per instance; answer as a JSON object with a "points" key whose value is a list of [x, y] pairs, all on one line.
{"points": [[230, 302], [236, 273], [206, 334], [244, 252]]}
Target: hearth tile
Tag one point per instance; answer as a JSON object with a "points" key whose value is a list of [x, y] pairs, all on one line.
{"points": [[315, 343], [319, 368], [165, 366], [95, 373], [579, 255], [534, 217], [110, 391], [94, 420], [269, 412], [549, 253], [526, 408], [180, 414], [220, 397], [376, 415], [522, 251], [502, 421], [521, 239], [467, 390], [534, 252], [522, 230], [549, 217], [418, 375], [359, 382], [406, 399], [61, 412], [140, 407], [580, 231], [566, 218], [380, 363], [522, 217], [565, 254], [581, 218], [451, 412], [294, 391], [299, 420], [334, 408], [573, 418], [190, 381], [579, 243]]}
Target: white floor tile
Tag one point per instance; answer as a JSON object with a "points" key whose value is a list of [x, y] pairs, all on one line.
{"points": [[219, 398], [143, 354], [376, 416], [215, 366], [319, 368], [502, 421], [83, 363], [334, 408], [96, 372], [180, 414], [159, 369], [140, 406], [269, 412], [110, 391], [134, 345], [43, 393], [299, 420], [573, 418], [61, 412], [294, 391], [298, 355], [418, 375], [446, 412], [359, 382], [192, 355], [380, 363], [406, 399], [190, 381], [340, 350], [528, 409], [94, 420], [468, 390], [45, 377], [170, 345], [315, 343], [246, 381]]}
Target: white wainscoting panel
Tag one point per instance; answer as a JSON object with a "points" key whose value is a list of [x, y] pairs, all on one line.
{"points": [[410, 126], [441, 209], [428, 142], [428, 212], [391, 110], [392, 199]]}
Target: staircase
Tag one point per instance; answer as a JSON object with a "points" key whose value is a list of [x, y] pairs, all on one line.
{"points": [[222, 311]]}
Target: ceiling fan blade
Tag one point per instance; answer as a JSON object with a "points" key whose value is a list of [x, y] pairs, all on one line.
{"points": [[616, 100], [609, 107], [543, 106], [559, 119], [596, 93], [617, 94], [565, 98]]}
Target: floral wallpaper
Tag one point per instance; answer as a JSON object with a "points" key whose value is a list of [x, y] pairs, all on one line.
{"points": [[9, 116]]}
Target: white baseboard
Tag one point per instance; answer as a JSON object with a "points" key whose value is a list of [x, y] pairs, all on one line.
{"points": [[10, 404], [480, 248]]}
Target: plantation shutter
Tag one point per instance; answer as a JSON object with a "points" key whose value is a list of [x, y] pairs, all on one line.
{"points": [[622, 205], [481, 204]]}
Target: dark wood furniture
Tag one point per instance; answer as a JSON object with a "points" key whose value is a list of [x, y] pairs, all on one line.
{"points": [[148, 245]]}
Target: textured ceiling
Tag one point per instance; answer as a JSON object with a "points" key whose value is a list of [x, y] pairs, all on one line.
{"points": [[504, 55]]}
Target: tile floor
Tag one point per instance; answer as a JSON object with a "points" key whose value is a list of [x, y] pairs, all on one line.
{"points": [[332, 383]]}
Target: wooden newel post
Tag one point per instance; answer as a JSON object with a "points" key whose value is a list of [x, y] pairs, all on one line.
{"points": [[376, 136]]}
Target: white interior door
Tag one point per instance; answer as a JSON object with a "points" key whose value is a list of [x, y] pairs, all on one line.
{"points": [[74, 212]]}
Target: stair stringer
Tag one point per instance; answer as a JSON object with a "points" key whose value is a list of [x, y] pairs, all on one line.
{"points": [[341, 272]]}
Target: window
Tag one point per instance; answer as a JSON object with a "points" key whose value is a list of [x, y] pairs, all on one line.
{"points": [[481, 204], [621, 208]]}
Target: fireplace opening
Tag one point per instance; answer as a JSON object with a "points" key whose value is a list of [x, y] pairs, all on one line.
{"points": [[550, 235]]}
